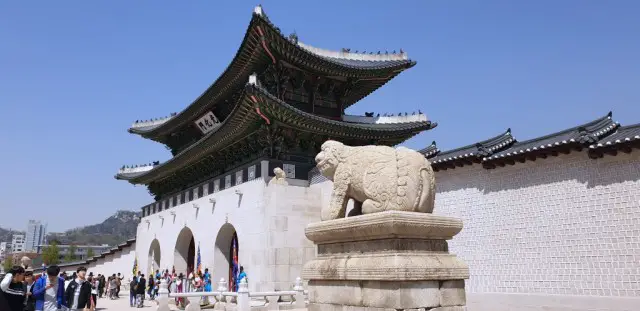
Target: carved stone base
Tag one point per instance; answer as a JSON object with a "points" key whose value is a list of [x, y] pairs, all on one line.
{"points": [[389, 260]]}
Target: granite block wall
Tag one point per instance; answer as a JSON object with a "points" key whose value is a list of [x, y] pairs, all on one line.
{"points": [[566, 225]]}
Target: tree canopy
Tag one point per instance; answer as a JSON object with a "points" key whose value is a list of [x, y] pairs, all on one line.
{"points": [[51, 254], [71, 254]]}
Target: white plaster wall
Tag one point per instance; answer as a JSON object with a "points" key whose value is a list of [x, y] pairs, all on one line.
{"points": [[247, 216], [289, 210], [119, 262], [567, 225]]}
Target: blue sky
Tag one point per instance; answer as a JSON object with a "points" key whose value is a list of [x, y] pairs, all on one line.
{"points": [[75, 74]]}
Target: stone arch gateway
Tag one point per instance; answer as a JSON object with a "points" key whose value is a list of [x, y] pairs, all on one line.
{"points": [[226, 250], [155, 255], [184, 252]]}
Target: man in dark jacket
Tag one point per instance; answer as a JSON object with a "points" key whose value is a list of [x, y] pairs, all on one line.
{"points": [[78, 293], [142, 284]]}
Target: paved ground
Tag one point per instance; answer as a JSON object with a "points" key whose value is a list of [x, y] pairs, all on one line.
{"points": [[106, 304]]}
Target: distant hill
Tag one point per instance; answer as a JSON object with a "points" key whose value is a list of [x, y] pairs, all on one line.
{"points": [[113, 231]]}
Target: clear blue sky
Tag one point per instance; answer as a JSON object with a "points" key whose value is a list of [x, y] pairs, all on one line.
{"points": [[75, 74]]}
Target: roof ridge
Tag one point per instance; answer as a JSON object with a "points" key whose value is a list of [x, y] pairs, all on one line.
{"points": [[584, 125], [507, 132]]}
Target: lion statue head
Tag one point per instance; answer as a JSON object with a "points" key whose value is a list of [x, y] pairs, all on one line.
{"points": [[279, 173], [329, 157]]}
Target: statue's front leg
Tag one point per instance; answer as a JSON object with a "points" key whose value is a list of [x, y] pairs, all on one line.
{"points": [[338, 204]]}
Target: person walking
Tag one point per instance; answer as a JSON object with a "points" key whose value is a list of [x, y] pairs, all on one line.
{"points": [[94, 291], [140, 288], [241, 275], [113, 287], [78, 293], [118, 283], [49, 291], [151, 285], [12, 289], [30, 301], [100, 285], [133, 283]]}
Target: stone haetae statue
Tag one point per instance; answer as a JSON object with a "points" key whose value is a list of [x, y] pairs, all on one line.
{"points": [[280, 177], [377, 178], [25, 262]]}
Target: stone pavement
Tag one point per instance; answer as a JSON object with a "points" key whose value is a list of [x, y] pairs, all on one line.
{"points": [[106, 304]]}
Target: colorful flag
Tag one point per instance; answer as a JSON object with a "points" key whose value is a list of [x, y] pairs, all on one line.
{"points": [[234, 264], [199, 261], [135, 267]]}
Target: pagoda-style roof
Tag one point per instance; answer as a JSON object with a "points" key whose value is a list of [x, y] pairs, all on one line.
{"points": [[624, 139], [469, 154], [255, 108], [575, 138], [263, 44]]}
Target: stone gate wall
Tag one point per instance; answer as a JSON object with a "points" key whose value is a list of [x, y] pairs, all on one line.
{"points": [[566, 225]]}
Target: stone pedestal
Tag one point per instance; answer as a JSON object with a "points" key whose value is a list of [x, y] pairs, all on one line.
{"points": [[387, 260]]}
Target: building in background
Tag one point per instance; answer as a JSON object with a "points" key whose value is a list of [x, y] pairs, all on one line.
{"points": [[81, 252], [4, 249], [17, 243], [35, 235]]}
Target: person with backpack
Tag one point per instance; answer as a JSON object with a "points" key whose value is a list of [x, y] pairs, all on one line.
{"points": [[133, 283]]}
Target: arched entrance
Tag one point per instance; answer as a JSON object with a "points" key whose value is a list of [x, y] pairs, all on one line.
{"points": [[154, 255], [185, 252], [226, 255]]}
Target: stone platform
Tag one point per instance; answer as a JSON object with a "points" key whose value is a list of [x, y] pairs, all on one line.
{"points": [[388, 260]]}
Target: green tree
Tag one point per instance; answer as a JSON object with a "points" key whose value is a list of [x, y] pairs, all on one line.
{"points": [[90, 253], [8, 263], [51, 254], [71, 254]]}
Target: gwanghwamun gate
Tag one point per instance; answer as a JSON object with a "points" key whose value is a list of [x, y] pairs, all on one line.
{"points": [[549, 222]]}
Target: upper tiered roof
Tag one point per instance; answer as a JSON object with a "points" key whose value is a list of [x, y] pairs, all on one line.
{"points": [[264, 43]]}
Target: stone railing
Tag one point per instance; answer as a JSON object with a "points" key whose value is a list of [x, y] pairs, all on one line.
{"points": [[243, 300], [419, 117]]}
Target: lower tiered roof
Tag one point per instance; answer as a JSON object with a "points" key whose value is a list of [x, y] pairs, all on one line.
{"points": [[262, 125]]}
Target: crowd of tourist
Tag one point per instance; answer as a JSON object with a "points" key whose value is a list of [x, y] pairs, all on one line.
{"points": [[21, 290]]}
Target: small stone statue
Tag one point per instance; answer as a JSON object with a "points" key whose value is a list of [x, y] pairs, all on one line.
{"points": [[377, 178], [280, 177], [25, 262]]}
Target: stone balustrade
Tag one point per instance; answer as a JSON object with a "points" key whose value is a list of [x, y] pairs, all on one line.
{"points": [[243, 300], [418, 117]]}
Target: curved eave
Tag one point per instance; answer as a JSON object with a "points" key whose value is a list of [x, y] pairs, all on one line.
{"points": [[306, 121], [236, 122], [473, 153], [430, 151], [625, 139], [370, 74], [257, 104]]}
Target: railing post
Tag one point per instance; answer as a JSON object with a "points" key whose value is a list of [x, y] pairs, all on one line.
{"points": [[300, 301], [163, 296], [244, 302]]}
